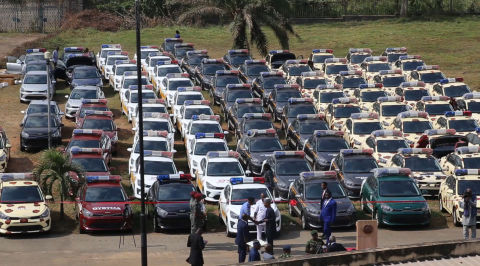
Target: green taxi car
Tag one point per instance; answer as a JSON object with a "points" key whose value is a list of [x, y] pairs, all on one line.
{"points": [[393, 198]]}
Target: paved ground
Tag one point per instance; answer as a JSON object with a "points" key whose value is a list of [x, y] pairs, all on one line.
{"points": [[171, 249]]}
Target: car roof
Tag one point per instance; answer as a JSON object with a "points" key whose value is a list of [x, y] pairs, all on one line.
{"points": [[248, 186], [42, 102], [37, 72], [205, 140], [88, 88], [37, 62], [101, 117], [154, 138], [19, 183], [358, 156], [320, 180], [86, 67], [86, 137], [158, 159], [40, 114]]}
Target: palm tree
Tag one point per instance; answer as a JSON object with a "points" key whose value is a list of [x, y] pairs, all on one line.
{"points": [[246, 19], [53, 170]]}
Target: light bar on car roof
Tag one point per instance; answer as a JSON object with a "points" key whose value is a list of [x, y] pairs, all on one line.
{"points": [[165, 154], [411, 114], [344, 100], [197, 52], [375, 58], [73, 49], [366, 86], [206, 117], [458, 113], [404, 57], [435, 98], [247, 180], [183, 89], [100, 113], [467, 171], [173, 40], [450, 80], [469, 149], [96, 132], [312, 74], [279, 51], [360, 50], [90, 101], [391, 171], [434, 67], [286, 86], [123, 62], [223, 154], [38, 50], [390, 99], [271, 74], [336, 60], [163, 63], [16, 176], [318, 174], [391, 71], [329, 86], [255, 62], [156, 115], [356, 151], [144, 87], [310, 116], [77, 150], [384, 133], [477, 129], [232, 86], [253, 132], [149, 47], [153, 101], [134, 73], [351, 72], [325, 133], [266, 116], [212, 61], [300, 100], [301, 61], [226, 72], [396, 49], [413, 84], [174, 177], [241, 51], [77, 55], [177, 75], [155, 133], [209, 135], [158, 54], [118, 46], [103, 178], [184, 45], [472, 95], [197, 102], [317, 51], [248, 100], [415, 151], [117, 53], [363, 115], [288, 153], [431, 132]]}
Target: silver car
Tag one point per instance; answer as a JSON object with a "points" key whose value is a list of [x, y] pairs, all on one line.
{"points": [[78, 94], [40, 106], [18, 65], [34, 86]]}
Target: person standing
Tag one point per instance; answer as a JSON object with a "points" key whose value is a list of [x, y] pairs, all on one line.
{"points": [[192, 210], [55, 56], [177, 35], [315, 244], [286, 252], [254, 252], [324, 186], [259, 215], [469, 220], [204, 210], [333, 246], [328, 214], [198, 213], [242, 238], [268, 254], [246, 208], [271, 228], [196, 245]]}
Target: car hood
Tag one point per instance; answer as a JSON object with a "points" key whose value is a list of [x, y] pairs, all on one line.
{"points": [[220, 181], [342, 204], [220, 89], [409, 203], [23, 210], [356, 178], [75, 102], [236, 208], [280, 104], [328, 156], [180, 207], [104, 207], [287, 179], [80, 60], [35, 87], [261, 156], [86, 82], [428, 176], [39, 131]]}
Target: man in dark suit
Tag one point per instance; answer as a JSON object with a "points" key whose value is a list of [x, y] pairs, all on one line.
{"points": [[322, 200], [242, 237], [271, 227], [328, 214], [196, 245], [333, 246]]}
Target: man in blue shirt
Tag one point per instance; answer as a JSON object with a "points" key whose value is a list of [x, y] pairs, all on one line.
{"points": [[55, 56], [242, 238], [328, 214], [177, 35], [246, 208], [254, 252]]}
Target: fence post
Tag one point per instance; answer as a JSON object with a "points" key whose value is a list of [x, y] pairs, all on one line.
{"points": [[451, 6]]}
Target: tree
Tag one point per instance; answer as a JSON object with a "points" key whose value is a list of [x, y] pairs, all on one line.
{"points": [[53, 170], [404, 9], [246, 19]]}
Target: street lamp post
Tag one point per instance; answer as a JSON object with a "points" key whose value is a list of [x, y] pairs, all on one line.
{"points": [[47, 57]]}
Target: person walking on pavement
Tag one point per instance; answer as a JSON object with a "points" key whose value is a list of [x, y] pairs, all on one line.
{"points": [[328, 214], [333, 246], [314, 245], [325, 190], [268, 254], [192, 210], [196, 245], [198, 213], [286, 252], [469, 220], [55, 56], [177, 35], [242, 238], [204, 210], [246, 208], [259, 215], [271, 229], [255, 252]]}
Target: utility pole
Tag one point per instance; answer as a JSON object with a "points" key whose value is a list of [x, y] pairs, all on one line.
{"points": [[47, 57]]}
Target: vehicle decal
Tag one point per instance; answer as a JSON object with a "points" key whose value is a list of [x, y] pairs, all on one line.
{"points": [[106, 208]]}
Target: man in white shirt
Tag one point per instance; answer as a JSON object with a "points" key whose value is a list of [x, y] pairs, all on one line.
{"points": [[259, 216]]}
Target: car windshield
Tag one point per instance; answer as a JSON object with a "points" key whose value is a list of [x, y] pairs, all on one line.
{"points": [[372, 96], [474, 185], [233, 95], [145, 96], [391, 145], [103, 124], [21, 194], [456, 91], [211, 69], [36, 67], [239, 59], [416, 126], [156, 125], [121, 69], [159, 168], [224, 169], [269, 83], [105, 194], [347, 111], [83, 94], [393, 110], [163, 71], [85, 74], [182, 98], [154, 109], [91, 164], [171, 44], [463, 125], [83, 143], [205, 128], [414, 95], [180, 52], [175, 192], [39, 121], [432, 77], [128, 82], [293, 167], [144, 54], [360, 165], [151, 145], [335, 69], [311, 84], [154, 61], [195, 60], [223, 81], [301, 109], [265, 145], [203, 147], [283, 96], [327, 97], [308, 127], [410, 66], [471, 163], [331, 144], [111, 60], [321, 58], [259, 124], [404, 188], [314, 191], [358, 58], [377, 67], [393, 81], [437, 109], [417, 164], [240, 196], [474, 107], [40, 108], [197, 111], [366, 127], [297, 70], [394, 57], [254, 70], [174, 84], [35, 79], [249, 109], [105, 52], [353, 82], [100, 108], [34, 57]]}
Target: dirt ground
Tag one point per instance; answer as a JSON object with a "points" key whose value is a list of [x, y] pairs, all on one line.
{"points": [[8, 41]]}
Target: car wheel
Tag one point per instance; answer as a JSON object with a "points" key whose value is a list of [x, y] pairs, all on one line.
{"points": [[304, 222], [220, 220], [22, 148], [156, 229], [375, 216], [440, 204], [456, 223], [227, 232], [362, 205], [80, 230]]}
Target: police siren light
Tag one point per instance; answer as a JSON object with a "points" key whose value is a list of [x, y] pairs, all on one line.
{"points": [[156, 115], [223, 154], [209, 135], [391, 171], [16, 176], [155, 133], [384, 133], [318, 174], [324, 133], [266, 116], [317, 51], [103, 178], [79, 132], [450, 80], [165, 154], [95, 101], [206, 117], [415, 151], [432, 132], [467, 150]]}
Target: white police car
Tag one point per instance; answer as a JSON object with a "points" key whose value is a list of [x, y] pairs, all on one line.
{"points": [[130, 78], [120, 67], [152, 60], [186, 94], [188, 110], [102, 54], [161, 71], [201, 145], [149, 106], [202, 124], [170, 85], [158, 122], [129, 99], [145, 51]]}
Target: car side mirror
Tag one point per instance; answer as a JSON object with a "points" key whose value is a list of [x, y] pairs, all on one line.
{"points": [[111, 168], [53, 82], [350, 193], [243, 150], [22, 112], [66, 96], [248, 172], [61, 113], [294, 132], [129, 149], [21, 125], [283, 115], [48, 197], [135, 129], [77, 199], [225, 132], [336, 170], [174, 151], [450, 191], [62, 125], [299, 195], [149, 198]]}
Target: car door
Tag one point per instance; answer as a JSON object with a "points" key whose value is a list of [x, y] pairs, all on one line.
{"points": [[224, 203], [14, 65], [449, 193], [299, 196], [125, 102]]}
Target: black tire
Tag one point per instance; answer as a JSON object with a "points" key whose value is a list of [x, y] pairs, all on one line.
{"points": [[456, 223], [275, 193], [227, 232], [440, 204], [305, 225], [80, 230], [156, 229], [269, 177], [22, 148], [220, 220], [375, 217], [362, 205]]}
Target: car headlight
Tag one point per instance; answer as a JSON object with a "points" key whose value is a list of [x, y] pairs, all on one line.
{"points": [[69, 105], [279, 109], [22, 89], [45, 214], [24, 134], [210, 186], [426, 207], [382, 160], [351, 209], [349, 183], [100, 84], [3, 157], [256, 161], [115, 138], [356, 142], [232, 214], [170, 96], [161, 212], [277, 213], [132, 161], [117, 81], [282, 184], [139, 182], [312, 210], [3, 216], [56, 134], [385, 123], [194, 163], [322, 160], [87, 213], [218, 94], [385, 207]]}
